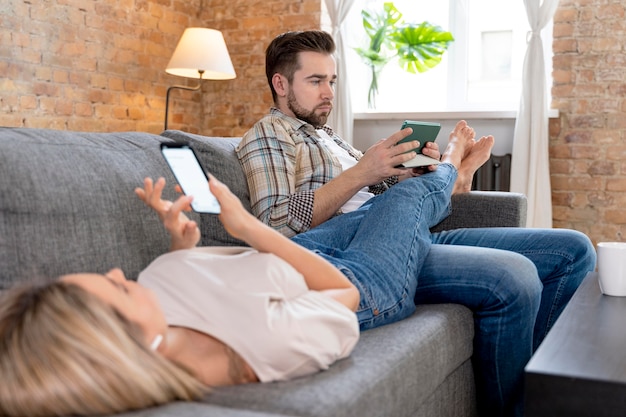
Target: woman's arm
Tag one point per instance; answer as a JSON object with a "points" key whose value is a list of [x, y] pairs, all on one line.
{"points": [[318, 274]]}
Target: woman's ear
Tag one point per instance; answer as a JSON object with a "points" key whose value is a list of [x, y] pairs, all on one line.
{"points": [[280, 84]]}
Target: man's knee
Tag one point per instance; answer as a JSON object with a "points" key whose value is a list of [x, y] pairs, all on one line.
{"points": [[583, 250], [517, 280]]}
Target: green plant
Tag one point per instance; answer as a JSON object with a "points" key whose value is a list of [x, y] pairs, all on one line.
{"points": [[418, 47]]}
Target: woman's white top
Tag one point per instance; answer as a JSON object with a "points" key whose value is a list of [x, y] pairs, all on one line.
{"points": [[255, 303]]}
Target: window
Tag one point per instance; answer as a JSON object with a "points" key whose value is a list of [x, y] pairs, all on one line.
{"points": [[481, 70]]}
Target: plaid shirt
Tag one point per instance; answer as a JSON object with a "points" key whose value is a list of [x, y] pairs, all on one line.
{"points": [[285, 161]]}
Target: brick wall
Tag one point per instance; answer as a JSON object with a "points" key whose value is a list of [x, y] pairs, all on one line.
{"points": [[588, 140], [87, 65], [99, 65]]}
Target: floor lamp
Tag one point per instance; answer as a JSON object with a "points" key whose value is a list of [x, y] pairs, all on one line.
{"points": [[201, 53]]}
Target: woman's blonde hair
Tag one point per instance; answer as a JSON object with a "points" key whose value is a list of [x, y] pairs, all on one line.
{"points": [[65, 352]]}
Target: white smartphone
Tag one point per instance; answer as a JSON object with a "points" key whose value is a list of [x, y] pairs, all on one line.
{"points": [[192, 179]]}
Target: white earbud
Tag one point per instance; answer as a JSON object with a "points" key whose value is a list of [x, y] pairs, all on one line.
{"points": [[156, 342]]}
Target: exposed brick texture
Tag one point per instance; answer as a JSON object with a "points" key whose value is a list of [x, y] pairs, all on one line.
{"points": [[588, 140], [99, 65]]}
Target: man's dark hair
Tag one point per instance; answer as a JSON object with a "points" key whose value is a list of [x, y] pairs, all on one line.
{"points": [[281, 55]]}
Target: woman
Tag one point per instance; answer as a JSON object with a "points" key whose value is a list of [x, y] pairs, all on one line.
{"points": [[97, 344]]}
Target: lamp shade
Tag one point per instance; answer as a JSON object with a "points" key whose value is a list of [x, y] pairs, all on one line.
{"points": [[201, 51]]}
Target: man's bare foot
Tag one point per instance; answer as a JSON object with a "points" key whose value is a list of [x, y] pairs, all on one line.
{"points": [[460, 145], [461, 128], [475, 158]]}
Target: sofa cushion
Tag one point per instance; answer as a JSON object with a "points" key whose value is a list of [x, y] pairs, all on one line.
{"points": [[217, 156], [396, 370], [393, 371], [68, 203]]}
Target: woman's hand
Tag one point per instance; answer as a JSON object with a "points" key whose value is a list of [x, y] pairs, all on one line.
{"points": [[237, 221], [184, 233]]}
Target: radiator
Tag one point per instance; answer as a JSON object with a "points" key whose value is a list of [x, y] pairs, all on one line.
{"points": [[494, 175]]}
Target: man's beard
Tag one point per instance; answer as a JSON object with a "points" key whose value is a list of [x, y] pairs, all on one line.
{"points": [[305, 115]]}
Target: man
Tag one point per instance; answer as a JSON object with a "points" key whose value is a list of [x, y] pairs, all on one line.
{"points": [[300, 174]]}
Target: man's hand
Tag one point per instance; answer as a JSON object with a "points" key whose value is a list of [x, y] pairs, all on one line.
{"points": [[377, 164], [381, 160], [184, 233], [430, 149]]}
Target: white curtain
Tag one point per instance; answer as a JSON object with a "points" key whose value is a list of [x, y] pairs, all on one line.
{"points": [[530, 164], [341, 119]]}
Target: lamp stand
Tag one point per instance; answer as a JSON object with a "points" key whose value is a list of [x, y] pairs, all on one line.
{"points": [[181, 87]]}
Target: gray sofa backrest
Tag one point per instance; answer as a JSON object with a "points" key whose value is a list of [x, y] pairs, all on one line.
{"points": [[67, 202]]}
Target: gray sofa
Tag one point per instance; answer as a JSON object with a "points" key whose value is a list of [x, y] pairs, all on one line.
{"points": [[67, 205]]}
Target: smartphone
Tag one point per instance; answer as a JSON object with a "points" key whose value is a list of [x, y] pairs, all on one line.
{"points": [[192, 179], [423, 132]]}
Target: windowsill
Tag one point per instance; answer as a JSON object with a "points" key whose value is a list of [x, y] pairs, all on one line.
{"points": [[443, 115]]}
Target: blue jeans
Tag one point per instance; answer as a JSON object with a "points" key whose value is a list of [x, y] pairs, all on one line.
{"points": [[380, 249], [515, 280]]}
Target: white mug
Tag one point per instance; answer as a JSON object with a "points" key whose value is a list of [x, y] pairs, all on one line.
{"points": [[612, 268]]}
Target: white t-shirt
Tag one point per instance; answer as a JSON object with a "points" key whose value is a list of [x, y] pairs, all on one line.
{"points": [[347, 161], [257, 304]]}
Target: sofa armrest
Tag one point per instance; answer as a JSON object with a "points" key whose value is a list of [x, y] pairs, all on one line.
{"points": [[485, 209]]}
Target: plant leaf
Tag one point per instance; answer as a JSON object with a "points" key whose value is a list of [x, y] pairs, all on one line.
{"points": [[420, 46], [372, 58], [378, 25]]}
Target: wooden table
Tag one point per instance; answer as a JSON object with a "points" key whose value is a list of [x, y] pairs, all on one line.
{"points": [[580, 368]]}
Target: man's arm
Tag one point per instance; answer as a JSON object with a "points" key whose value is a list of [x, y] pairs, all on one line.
{"points": [[281, 186], [330, 197], [292, 184], [283, 172], [377, 164]]}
